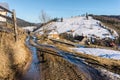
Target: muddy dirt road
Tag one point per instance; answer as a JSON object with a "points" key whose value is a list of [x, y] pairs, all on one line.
{"points": [[70, 68], [59, 66]]}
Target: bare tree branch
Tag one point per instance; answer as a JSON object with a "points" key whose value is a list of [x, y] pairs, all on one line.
{"points": [[44, 17]]}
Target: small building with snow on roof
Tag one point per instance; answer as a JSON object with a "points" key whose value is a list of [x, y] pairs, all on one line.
{"points": [[3, 12], [54, 35]]}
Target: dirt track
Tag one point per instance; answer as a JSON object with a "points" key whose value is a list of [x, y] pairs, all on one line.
{"points": [[56, 68], [60, 66]]}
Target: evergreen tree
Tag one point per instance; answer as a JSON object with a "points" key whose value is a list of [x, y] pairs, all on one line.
{"points": [[61, 19], [87, 16]]}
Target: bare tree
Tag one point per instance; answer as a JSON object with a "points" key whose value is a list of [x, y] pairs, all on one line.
{"points": [[44, 17]]}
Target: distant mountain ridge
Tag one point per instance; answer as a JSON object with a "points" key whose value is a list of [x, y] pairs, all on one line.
{"points": [[23, 23], [113, 16], [112, 21], [107, 18]]}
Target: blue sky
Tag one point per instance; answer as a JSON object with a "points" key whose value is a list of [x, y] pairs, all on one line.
{"points": [[29, 10]]}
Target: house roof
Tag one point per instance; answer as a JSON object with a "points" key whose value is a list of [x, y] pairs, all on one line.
{"points": [[4, 4]]}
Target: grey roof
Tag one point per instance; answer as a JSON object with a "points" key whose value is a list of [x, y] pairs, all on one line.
{"points": [[4, 4]]}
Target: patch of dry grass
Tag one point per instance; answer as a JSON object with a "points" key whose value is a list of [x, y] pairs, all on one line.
{"points": [[4, 66], [13, 55]]}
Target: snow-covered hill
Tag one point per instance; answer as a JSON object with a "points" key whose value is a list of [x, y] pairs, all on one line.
{"points": [[82, 26]]}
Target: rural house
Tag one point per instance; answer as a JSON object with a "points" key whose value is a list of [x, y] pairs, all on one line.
{"points": [[53, 34], [2, 12]]}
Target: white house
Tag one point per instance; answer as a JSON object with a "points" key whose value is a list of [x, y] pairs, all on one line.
{"points": [[3, 12]]}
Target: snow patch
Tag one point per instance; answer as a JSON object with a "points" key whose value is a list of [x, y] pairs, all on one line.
{"points": [[111, 54]]}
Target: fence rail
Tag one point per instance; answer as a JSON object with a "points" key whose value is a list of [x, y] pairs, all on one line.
{"points": [[6, 9], [13, 19], [6, 30]]}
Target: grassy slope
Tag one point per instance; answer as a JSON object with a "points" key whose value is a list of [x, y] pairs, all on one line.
{"points": [[13, 55]]}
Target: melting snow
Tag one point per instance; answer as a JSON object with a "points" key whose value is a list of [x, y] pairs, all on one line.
{"points": [[99, 52]]}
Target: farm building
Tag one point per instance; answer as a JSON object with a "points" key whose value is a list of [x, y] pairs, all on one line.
{"points": [[5, 5], [53, 34]]}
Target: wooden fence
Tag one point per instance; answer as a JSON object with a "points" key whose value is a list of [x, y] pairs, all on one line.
{"points": [[12, 18]]}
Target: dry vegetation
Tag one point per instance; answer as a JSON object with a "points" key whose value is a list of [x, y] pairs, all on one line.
{"points": [[13, 55]]}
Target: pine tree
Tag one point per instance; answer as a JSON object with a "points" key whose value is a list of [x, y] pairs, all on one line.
{"points": [[87, 16]]}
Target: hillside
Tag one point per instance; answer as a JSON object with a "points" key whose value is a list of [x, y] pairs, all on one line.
{"points": [[82, 26], [111, 21], [23, 23], [114, 16]]}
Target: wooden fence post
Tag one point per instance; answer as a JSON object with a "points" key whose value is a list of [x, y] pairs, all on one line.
{"points": [[15, 25]]}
